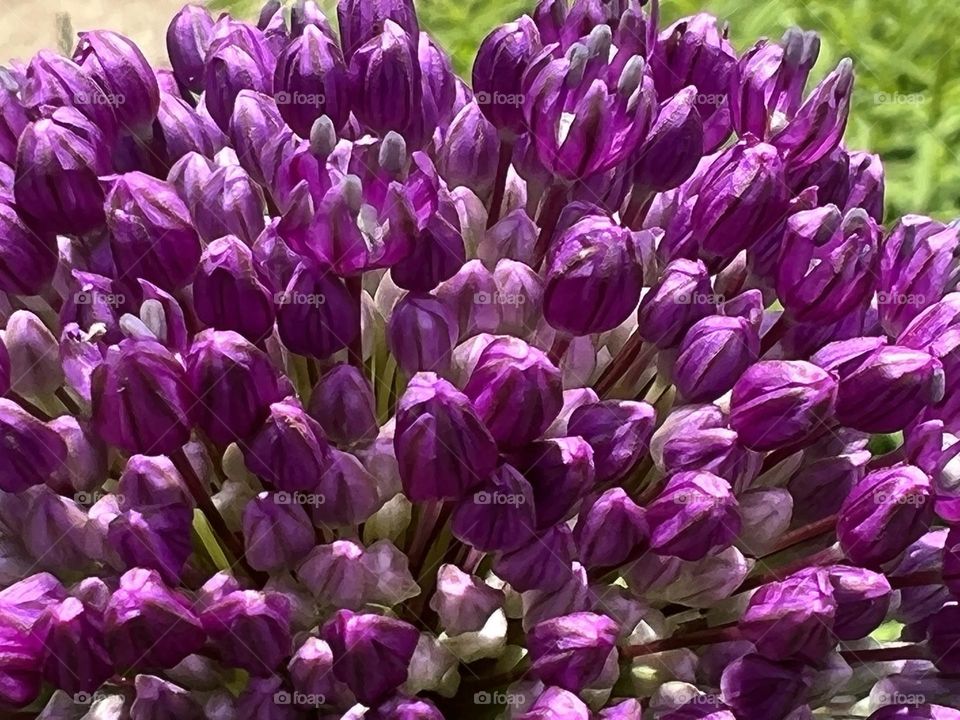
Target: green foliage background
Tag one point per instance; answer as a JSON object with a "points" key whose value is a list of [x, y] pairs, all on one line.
{"points": [[907, 101]]}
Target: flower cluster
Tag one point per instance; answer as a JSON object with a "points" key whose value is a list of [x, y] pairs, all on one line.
{"points": [[594, 389]]}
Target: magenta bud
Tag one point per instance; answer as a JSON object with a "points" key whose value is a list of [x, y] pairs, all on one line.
{"points": [[289, 450], [317, 315], [235, 384], [188, 37], [543, 563], [470, 150], [694, 515], [713, 355], [560, 471], [517, 391], [227, 292], [611, 530], [335, 574], [618, 431], [681, 296], [571, 651], [498, 70], [342, 402], [780, 403], [251, 630], [28, 258], [277, 534], [499, 515], [442, 446], [463, 602], [421, 334]]}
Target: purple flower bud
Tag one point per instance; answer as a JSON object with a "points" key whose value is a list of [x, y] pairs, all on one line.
{"points": [[275, 262], [542, 563], [386, 85], [556, 704], [342, 402], [361, 641], [470, 293], [942, 638], [361, 21], [28, 259], [442, 446], [311, 668], [560, 471], [882, 388], [30, 452], [117, 64], [251, 630], [148, 624], [254, 125], [923, 710], [781, 403], [317, 315], [463, 602], [771, 81], [227, 292], [335, 574], [56, 531], [831, 467], [231, 67], [513, 237], [311, 81], [517, 391], [239, 202], [234, 385], [595, 275], [570, 652], [713, 355], [763, 689], [866, 184], [694, 51], [498, 70], [618, 431], [404, 708], [694, 515], [141, 399], [59, 161], [306, 12], [151, 234], [55, 81], [157, 538], [164, 315], [743, 194], [932, 323], [151, 482], [180, 129], [289, 450], [698, 437], [916, 267], [20, 678], [626, 710], [421, 334], [884, 513], [827, 263], [611, 530], [469, 152], [13, 120], [674, 146], [500, 515], [347, 493], [158, 699], [680, 297], [862, 597], [820, 122], [437, 254], [276, 534], [33, 355], [72, 629], [188, 37], [792, 618]]}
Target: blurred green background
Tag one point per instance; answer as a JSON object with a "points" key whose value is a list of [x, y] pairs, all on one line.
{"points": [[907, 101]]}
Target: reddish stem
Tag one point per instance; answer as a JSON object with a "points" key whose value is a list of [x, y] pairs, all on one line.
{"points": [[710, 636], [885, 654], [547, 219], [355, 349]]}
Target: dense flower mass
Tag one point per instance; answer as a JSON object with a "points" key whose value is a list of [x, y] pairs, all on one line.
{"points": [[596, 388]]}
